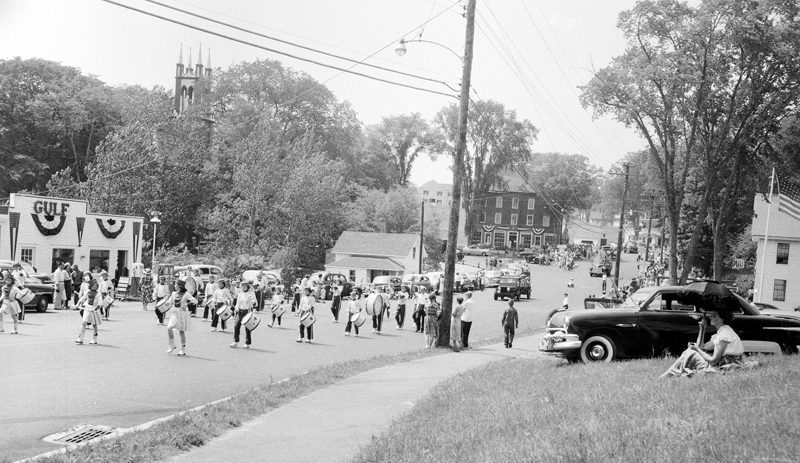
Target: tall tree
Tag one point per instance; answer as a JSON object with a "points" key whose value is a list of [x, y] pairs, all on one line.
{"points": [[496, 141], [400, 140]]}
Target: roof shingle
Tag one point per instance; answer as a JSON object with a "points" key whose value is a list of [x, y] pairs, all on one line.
{"points": [[375, 244]]}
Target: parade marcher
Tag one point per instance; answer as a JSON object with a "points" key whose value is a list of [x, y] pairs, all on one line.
{"points": [[277, 302], [221, 297], [510, 323], [259, 287], [246, 303], [67, 285], [77, 282], [179, 316], [19, 281], [605, 282], [466, 320], [419, 310], [209, 291], [104, 288], [353, 307], [160, 292], [90, 304], [58, 294], [571, 283], [336, 300], [8, 302], [297, 289], [377, 315], [146, 288], [455, 324], [433, 311], [306, 306], [199, 286], [565, 302], [400, 314]]}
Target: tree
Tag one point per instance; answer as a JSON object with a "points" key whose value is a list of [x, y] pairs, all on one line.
{"points": [[496, 141], [699, 84], [399, 140]]}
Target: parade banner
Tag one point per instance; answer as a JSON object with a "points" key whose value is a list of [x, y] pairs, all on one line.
{"points": [[81, 222], [13, 221], [49, 225], [110, 228], [488, 228], [136, 226], [538, 231]]}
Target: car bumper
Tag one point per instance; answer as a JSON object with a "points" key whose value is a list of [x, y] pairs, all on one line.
{"points": [[560, 344]]}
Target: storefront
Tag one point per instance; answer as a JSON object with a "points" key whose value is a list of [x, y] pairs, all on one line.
{"points": [[46, 231]]}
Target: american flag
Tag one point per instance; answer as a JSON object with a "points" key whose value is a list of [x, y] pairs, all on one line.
{"points": [[789, 197]]}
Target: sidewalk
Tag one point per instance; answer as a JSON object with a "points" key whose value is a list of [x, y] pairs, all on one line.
{"points": [[331, 424]]}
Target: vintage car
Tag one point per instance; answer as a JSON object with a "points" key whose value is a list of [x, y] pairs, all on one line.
{"points": [[654, 321], [476, 250], [327, 279], [206, 271], [43, 292], [599, 267], [513, 287], [492, 278], [412, 281], [392, 284]]}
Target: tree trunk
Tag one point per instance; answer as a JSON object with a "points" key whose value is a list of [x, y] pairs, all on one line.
{"points": [[698, 228]]}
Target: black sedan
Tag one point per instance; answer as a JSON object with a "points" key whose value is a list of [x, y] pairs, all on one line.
{"points": [[43, 292], [654, 321]]}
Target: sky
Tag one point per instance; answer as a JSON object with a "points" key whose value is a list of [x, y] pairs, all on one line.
{"points": [[530, 55]]}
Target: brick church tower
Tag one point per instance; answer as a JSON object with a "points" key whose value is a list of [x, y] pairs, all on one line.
{"points": [[187, 78]]}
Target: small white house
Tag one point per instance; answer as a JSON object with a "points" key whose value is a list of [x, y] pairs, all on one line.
{"points": [[364, 255], [780, 284]]}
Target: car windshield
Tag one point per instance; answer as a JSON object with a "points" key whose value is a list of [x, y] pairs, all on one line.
{"points": [[636, 299]]}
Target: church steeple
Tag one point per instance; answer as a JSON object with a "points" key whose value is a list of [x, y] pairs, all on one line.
{"points": [[179, 65], [208, 63], [187, 78], [199, 66], [189, 67]]}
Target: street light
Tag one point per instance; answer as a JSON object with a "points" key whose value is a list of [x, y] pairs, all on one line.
{"points": [[401, 48], [155, 221]]}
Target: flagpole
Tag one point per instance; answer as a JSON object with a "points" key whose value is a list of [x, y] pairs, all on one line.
{"points": [[766, 237]]}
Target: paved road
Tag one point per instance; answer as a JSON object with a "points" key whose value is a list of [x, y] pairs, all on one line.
{"points": [[51, 384]]}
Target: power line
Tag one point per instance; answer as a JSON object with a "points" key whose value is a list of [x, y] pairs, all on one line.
{"points": [[303, 47], [272, 50]]}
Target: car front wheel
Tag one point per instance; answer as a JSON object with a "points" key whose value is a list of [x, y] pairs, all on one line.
{"points": [[599, 348], [41, 306]]}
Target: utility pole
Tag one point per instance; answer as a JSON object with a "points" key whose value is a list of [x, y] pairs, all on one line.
{"points": [[458, 166], [421, 233], [627, 166], [649, 227]]}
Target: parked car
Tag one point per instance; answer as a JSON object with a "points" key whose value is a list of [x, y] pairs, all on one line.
{"points": [[476, 250], [43, 292], [601, 303], [600, 267], [392, 283], [492, 278], [412, 281], [326, 281], [513, 287], [652, 321], [30, 270], [205, 271], [272, 279], [769, 309], [463, 283], [631, 248]]}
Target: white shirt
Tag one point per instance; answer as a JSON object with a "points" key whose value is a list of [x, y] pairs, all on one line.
{"points": [[726, 333], [565, 302], [306, 303], [103, 286], [467, 315], [246, 300]]}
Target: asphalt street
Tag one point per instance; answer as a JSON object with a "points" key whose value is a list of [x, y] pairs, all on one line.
{"points": [[52, 384]]}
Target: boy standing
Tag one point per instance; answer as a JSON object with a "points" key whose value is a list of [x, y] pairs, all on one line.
{"points": [[510, 323]]}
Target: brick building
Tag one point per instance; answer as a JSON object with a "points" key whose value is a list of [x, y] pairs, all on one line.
{"points": [[516, 220]]}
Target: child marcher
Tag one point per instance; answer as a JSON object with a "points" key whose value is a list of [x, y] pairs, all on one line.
{"points": [[208, 292], [104, 288], [571, 283], [400, 314], [8, 302], [160, 292], [220, 298], [353, 307], [277, 308], [246, 303], [306, 307], [91, 303], [510, 323]]}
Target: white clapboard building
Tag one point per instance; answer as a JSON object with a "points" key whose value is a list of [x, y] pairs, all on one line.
{"points": [[362, 256], [44, 231]]}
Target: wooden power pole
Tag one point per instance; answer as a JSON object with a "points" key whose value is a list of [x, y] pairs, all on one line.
{"points": [[627, 166]]}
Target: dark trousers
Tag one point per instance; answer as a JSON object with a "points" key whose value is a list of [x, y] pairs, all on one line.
{"points": [[465, 327], [278, 318], [206, 308], [335, 306], [419, 319], [509, 329], [350, 325], [238, 327], [159, 316], [75, 296], [192, 308], [67, 292], [400, 316], [260, 300], [310, 330], [296, 302], [215, 318], [106, 310], [377, 321]]}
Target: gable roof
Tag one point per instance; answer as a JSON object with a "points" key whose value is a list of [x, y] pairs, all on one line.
{"points": [[372, 263], [375, 244]]}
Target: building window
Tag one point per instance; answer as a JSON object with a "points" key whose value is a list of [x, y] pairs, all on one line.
{"points": [[514, 203], [526, 240], [513, 219], [61, 256], [353, 276], [432, 201], [424, 192], [529, 220], [545, 220], [476, 237], [783, 253], [98, 260], [483, 217], [438, 202], [512, 240], [438, 193], [498, 202], [498, 218], [26, 255], [531, 203], [487, 238], [779, 290], [499, 239], [537, 240]]}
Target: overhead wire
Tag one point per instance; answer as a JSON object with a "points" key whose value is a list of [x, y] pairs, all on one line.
{"points": [[279, 52]]}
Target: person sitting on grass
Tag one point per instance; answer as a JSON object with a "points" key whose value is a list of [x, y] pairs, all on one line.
{"points": [[726, 349], [510, 323]]}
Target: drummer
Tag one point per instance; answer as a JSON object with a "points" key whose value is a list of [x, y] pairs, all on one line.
{"points": [[179, 316], [400, 313], [296, 290], [377, 313], [146, 288], [8, 302], [306, 307], [209, 291], [336, 299], [104, 288], [277, 307], [160, 292], [91, 304], [353, 307], [222, 296], [19, 280], [246, 302]]}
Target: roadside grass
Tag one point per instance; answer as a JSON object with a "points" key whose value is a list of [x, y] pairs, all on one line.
{"points": [[194, 428], [546, 410]]}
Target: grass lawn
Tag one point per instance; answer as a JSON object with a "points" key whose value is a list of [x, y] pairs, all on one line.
{"points": [[547, 410]]}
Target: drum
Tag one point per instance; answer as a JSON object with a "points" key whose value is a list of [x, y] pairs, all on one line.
{"points": [[25, 295], [374, 304], [358, 319], [308, 319], [251, 321], [191, 285], [224, 312], [278, 310], [107, 301], [162, 305]]}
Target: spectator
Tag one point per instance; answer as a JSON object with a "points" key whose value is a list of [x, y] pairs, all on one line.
{"points": [[510, 323], [466, 320], [726, 349], [455, 324]]}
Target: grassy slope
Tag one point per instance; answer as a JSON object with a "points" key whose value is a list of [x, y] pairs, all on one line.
{"points": [[542, 410]]}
